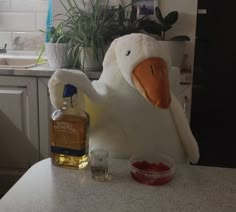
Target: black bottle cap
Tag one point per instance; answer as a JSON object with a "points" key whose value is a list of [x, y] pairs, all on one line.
{"points": [[69, 90]]}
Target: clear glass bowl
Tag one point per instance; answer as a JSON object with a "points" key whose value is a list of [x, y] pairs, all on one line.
{"points": [[152, 170]]}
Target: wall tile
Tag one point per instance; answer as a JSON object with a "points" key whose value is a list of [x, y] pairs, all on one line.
{"points": [[17, 22], [28, 41], [29, 5], [4, 5], [41, 21], [21, 20], [5, 37]]}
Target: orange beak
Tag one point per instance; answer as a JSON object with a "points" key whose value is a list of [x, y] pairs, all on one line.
{"points": [[150, 77]]}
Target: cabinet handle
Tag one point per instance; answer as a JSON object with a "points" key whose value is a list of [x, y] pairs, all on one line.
{"points": [[185, 103]]}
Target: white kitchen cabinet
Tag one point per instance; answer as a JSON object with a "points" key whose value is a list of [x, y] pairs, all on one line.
{"points": [[24, 126], [45, 110], [19, 143]]}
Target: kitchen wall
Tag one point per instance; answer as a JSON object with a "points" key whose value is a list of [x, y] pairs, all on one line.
{"points": [[20, 22]]}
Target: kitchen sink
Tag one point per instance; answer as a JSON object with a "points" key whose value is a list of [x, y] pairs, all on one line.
{"points": [[17, 62]]}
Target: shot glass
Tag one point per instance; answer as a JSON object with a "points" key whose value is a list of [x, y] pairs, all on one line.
{"points": [[99, 164]]}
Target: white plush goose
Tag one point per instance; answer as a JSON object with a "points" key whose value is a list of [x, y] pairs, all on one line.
{"points": [[131, 107]]}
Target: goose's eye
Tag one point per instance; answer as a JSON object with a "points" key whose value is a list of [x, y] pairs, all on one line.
{"points": [[128, 53]]}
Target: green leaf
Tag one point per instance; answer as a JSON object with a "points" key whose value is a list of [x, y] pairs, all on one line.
{"points": [[165, 28], [180, 38], [171, 18], [151, 27], [40, 59], [159, 15], [133, 14]]}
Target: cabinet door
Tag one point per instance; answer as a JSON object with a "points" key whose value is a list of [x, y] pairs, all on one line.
{"points": [[19, 147], [185, 100], [45, 110]]}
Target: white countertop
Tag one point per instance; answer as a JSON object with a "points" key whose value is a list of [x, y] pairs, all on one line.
{"points": [[42, 70], [46, 188]]}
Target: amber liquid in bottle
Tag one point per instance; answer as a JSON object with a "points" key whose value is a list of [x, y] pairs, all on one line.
{"points": [[69, 136]]}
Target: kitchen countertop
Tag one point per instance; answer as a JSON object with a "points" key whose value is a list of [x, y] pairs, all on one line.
{"points": [[42, 70], [45, 187]]}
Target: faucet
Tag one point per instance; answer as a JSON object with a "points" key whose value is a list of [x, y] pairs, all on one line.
{"points": [[4, 49]]}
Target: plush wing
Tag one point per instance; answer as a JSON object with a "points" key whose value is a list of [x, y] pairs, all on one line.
{"points": [[182, 126], [73, 77], [55, 91]]}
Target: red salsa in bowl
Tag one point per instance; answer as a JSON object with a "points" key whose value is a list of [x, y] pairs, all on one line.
{"points": [[152, 171]]}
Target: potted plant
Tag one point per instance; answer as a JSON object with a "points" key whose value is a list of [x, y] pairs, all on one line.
{"points": [[128, 21], [56, 47], [87, 30], [175, 46], [91, 30]]}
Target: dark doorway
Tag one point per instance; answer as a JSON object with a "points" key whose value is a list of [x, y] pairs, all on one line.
{"points": [[213, 114]]}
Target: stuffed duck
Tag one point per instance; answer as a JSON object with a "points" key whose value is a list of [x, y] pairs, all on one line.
{"points": [[131, 106]]}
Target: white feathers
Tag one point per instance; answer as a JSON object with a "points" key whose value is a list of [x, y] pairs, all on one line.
{"points": [[182, 125]]}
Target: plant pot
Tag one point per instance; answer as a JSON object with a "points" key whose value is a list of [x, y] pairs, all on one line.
{"points": [[89, 61], [57, 55], [176, 51]]}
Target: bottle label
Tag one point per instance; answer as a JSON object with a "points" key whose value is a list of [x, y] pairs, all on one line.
{"points": [[70, 137]]}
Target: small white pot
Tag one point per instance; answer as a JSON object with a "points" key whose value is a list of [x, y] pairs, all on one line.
{"points": [[88, 61], [175, 49], [57, 55]]}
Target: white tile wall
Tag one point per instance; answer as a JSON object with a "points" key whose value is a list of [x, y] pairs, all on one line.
{"points": [[22, 19], [29, 5], [28, 41], [5, 37], [17, 22], [4, 5], [41, 20]]}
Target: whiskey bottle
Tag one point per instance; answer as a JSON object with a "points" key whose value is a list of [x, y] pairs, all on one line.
{"points": [[70, 132]]}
